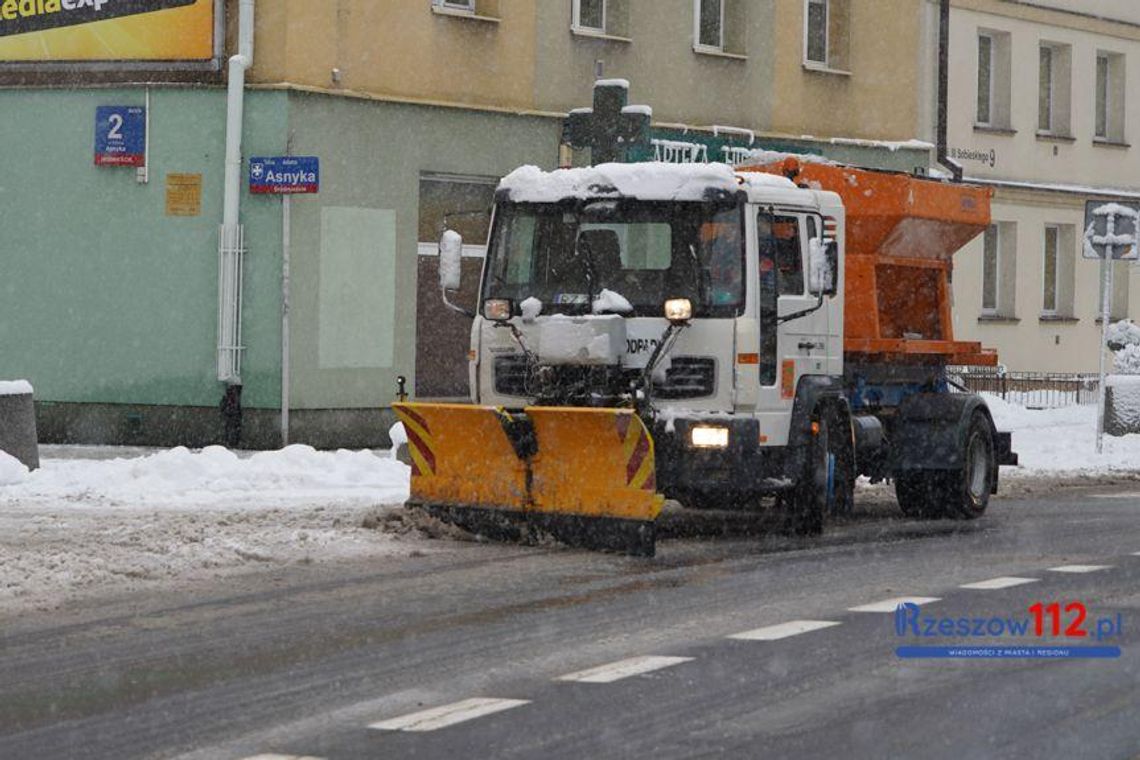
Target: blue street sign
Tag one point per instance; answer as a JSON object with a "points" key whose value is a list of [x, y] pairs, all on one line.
{"points": [[120, 136], [284, 175]]}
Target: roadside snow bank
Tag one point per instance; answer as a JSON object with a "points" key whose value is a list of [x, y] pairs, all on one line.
{"points": [[15, 388], [1062, 441], [217, 476], [12, 470]]}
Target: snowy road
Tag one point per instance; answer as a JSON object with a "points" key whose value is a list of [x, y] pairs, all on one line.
{"points": [[525, 652]]}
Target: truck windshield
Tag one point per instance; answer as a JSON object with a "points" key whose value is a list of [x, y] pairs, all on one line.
{"points": [[565, 254]]}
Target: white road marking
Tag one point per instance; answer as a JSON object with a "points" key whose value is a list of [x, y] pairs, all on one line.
{"points": [[1079, 568], [783, 630], [996, 583], [889, 605], [616, 671], [448, 715], [273, 756], [1136, 554]]}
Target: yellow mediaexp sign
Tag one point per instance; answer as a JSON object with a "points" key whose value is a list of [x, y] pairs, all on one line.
{"points": [[106, 30]]}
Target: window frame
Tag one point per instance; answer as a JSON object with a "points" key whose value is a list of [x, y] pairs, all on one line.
{"points": [[456, 6], [699, 45], [576, 19], [811, 62], [1056, 230], [996, 309], [989, 121]]}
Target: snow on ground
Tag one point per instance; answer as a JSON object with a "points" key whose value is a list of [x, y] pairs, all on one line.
{"points": [[98, 521], [84, 526], [1062, 442]]}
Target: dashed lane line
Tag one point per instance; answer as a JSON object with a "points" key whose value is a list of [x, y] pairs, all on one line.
{"points": [[783, 630], [997, 583], [274, 756], [890, 605], [448, 715], [615, 671], [1079, 568]]}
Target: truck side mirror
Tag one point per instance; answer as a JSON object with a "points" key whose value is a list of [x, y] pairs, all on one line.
{"points": [[823, 265], [450, 260]]}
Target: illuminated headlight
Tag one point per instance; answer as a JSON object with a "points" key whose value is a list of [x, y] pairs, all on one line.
{"points": [[497, 309], [678, 310], [709, 437]]}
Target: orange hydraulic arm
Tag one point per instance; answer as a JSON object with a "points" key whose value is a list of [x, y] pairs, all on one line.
{"points": [[902, 233]]}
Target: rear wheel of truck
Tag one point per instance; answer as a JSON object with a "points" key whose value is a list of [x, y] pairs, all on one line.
{"points": [[961, 493]]}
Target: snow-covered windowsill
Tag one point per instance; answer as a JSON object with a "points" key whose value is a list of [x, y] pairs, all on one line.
{"points": [[443, 10], [821, 68], [1002, 319], [1058, 318], [581, 31], [1101, 142], [1055, 137], [718, 53], [992, 130]]}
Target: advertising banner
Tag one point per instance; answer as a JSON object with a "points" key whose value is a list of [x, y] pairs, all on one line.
{"points": [[55, 31]]}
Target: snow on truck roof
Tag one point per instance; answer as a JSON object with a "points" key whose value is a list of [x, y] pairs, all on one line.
{"points": [[645, 181]]}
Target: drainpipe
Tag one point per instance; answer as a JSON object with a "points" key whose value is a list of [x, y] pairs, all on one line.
{"points": [[231, 247], [944, 88]]}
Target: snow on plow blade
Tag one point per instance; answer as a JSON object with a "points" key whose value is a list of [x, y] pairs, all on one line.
{"points": [[584, 476]]}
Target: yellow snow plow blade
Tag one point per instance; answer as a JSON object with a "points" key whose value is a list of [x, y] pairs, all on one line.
{"points": [[585, 476]]}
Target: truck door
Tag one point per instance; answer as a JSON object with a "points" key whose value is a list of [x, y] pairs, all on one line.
{"points": [[794, 347]]}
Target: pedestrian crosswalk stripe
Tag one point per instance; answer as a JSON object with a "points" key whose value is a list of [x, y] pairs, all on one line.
{"points": [[890, 605], [996, 583], [447, 715], [1079, 568], [615, 671], [783, 630]]}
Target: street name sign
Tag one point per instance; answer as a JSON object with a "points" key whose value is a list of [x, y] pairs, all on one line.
{"points": [[284, 175]]}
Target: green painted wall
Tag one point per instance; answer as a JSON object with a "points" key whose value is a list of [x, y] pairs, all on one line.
{"points": [[104, 298], [372, 155]]}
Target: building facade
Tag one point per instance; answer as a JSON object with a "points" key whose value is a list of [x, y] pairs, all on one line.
{"points": [[1043, 109], [415, 109]]}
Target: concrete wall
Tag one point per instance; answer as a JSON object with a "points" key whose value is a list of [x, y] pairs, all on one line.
{"points": [[104, 298]]}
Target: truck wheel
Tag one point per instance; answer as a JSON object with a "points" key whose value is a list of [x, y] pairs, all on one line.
{"points": [[804, 510], [968, 494]]}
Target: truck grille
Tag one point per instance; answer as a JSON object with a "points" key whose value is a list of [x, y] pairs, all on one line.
{"points": [[688, 377], [510, 375]]}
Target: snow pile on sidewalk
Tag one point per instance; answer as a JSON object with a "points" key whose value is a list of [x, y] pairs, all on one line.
{"points": [[1062, 441], [218, 476], [88, 527]]}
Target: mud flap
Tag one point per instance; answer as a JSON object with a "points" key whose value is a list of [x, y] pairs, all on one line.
{"points": [[587, 477]]}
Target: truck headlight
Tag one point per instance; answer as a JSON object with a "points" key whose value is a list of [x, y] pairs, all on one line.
{"points": [[497, 309], [708, 436], [678, 310]]}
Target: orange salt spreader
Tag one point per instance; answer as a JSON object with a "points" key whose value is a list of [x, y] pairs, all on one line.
{"points": [[902, 233]]}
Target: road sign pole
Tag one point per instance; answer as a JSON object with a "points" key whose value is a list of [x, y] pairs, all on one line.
{"points": [[1105, 313], [286, 213]]}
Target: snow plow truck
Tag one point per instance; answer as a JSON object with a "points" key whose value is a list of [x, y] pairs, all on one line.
{"points": [[748, 338]]}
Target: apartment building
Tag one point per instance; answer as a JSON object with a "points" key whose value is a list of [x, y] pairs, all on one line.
{"points": [[415, 108], [1043, 109]]}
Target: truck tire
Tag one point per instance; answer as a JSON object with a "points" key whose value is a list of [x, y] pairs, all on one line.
{"points": [[805, 507], [958, 494], [968, 492]]}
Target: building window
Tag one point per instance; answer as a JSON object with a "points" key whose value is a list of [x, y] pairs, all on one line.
{"points": [[1058, 262], [590, 15], [1045, 89], [710, 23], [985, 79], [1053, 89], [815, 32], [999, 274], [1109, 97], [990, 274], [1051, 278], [992, 108], [458, 5]]}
